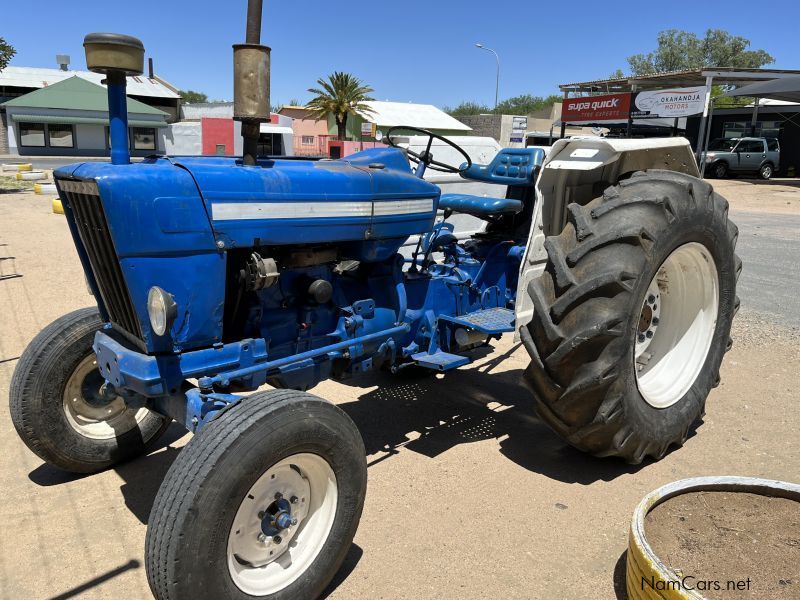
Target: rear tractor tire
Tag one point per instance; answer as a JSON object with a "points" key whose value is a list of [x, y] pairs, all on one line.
{"points": [[59, 410], [632, 315], [262, 503]]}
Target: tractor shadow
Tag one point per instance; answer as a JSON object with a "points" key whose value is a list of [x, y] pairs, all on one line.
{"points": [[430, 415], [141, 476]]}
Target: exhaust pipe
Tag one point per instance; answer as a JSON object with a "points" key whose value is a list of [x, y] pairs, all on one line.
{"points": [[251, 83], [116, 56]]}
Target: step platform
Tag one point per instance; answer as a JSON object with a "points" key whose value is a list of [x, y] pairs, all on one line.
{"points": [[439, 361], [489, 320]]}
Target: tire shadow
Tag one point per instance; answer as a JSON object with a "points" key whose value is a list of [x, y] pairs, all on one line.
{"points": [[142, 476], [350, 561]]}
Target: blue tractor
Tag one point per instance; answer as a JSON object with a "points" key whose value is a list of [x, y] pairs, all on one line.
{"points": [[216, 276]]}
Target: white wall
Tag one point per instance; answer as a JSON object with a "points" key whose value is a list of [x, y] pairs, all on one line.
{"points": [[182, 138]]}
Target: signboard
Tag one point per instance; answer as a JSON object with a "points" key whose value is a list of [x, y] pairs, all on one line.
{"points": [[596, 108], [675, 102], [518, 127], [368, 129]]}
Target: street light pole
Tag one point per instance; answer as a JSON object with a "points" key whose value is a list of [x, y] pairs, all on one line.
{"points": [[497, 82]]}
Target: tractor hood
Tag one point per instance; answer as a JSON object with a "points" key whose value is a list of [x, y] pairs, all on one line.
{"points": [[368, 196]]}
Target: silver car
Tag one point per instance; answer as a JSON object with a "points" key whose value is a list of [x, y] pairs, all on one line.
{"points": [[743, 155]]}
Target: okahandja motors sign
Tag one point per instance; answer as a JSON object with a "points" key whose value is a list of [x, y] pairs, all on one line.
{"points": [[675, 102]]}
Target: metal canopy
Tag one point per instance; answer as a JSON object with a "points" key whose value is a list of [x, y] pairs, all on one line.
{"points": [[721, 75], [786, 89]]}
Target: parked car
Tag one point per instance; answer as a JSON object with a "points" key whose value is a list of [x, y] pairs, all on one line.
{"points": [[743, 155]]}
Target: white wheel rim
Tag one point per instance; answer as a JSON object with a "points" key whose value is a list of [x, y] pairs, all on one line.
{"points": [[676, 326], [95, 419], [261, 565]]}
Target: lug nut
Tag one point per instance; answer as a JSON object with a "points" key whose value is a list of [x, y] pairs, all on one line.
{"points": [[294, 521], [651, 298], [293, 500], [261, 514], [649, 334], [655, 320], [262, 538], [278, 495], [641, 337], [277, 539]]}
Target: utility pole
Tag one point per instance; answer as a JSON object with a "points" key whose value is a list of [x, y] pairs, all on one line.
{"points": [[497, 81]]}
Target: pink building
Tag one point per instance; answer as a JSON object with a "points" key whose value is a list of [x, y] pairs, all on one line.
{"points": [[310, 134]]}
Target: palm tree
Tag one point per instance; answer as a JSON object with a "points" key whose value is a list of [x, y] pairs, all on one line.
{"points": [[341, 95]]}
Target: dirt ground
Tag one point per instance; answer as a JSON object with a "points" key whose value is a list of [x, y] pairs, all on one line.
{"points": [[470, 495], [718, 536]]}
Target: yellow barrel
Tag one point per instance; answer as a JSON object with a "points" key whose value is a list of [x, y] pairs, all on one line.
{"points": [[45, 188], [17, 167], [647, 577], [31, 175]]}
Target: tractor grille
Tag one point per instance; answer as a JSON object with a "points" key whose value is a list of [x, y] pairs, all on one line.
{"points": [[83, 199]]}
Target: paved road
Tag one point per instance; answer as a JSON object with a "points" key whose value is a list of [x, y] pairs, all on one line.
{"points": [[769, 246]]}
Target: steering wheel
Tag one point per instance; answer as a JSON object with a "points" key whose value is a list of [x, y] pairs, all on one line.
{"points": [[426, 157]]}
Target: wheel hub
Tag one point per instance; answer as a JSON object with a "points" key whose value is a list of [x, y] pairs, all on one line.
{"points": [[282, 524], [92, 408]]}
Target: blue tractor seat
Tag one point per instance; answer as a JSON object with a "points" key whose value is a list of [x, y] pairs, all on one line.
{"points": [[479, 206], [510, 166]]}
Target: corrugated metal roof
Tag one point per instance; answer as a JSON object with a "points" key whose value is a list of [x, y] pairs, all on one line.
{"points": [[36, 77], [76, 93], [426, 116], [730, 75]]}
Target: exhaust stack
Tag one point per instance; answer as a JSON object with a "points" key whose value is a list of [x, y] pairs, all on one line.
{"points": [[251, 83], [116, 56]]}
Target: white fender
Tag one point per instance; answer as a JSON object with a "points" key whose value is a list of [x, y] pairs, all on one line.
{"points": [[577, 170]]}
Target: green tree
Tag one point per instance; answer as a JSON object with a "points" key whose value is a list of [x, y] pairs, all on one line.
{"points": [[341, 95], [682, 50], [618, 74], [192, 97], [467, 108], [525, 104], [7, 52]]}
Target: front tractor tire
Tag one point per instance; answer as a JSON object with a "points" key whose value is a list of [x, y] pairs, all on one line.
{"points": [[632, 315], [262, 503], [57, 406]]}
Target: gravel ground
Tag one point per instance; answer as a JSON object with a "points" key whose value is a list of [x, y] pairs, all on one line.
{"points": [[470, 496]]}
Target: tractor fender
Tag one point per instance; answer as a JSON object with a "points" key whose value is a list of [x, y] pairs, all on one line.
{"points": [[577, 169]]}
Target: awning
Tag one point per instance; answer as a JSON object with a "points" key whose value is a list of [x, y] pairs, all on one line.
{"points": [[70, 120], [267, 128], [785, 88]]}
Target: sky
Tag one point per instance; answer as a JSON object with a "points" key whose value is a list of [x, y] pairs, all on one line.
{"points": [[410, 51]]}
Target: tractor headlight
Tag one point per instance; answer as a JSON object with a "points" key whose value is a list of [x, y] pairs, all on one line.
{"points": [[161, 309]]}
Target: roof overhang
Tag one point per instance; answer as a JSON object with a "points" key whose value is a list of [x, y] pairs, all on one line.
{"points": [[70, 120], [689, 78]]}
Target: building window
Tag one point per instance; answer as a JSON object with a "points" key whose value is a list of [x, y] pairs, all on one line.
{"points": [[31, 134], [60, 136], [144, 138], [270, 144], [307, 140]]}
